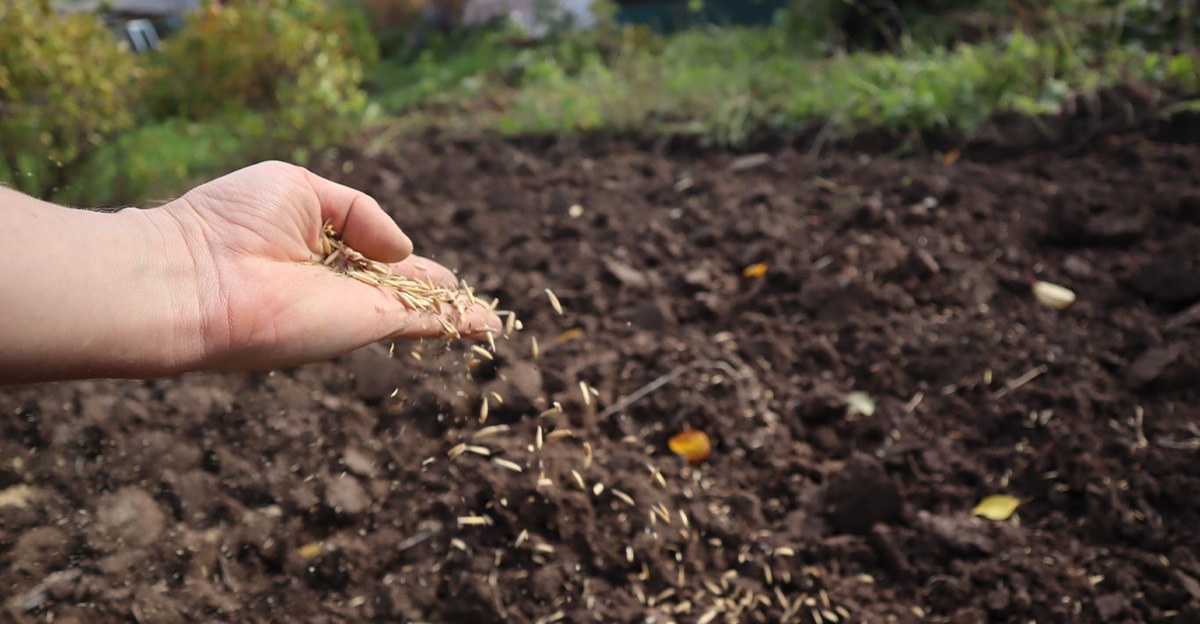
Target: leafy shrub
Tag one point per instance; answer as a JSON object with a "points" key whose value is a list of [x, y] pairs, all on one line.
{"points": [[66, 86], [302, 60]]}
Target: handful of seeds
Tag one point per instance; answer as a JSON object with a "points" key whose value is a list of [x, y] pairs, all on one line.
{"points": [[416, 295]]}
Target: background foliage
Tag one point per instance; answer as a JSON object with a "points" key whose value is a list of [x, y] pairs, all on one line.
{"points": [[245, 80], [66, 86]]}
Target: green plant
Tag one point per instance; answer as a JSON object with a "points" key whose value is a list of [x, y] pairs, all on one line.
{"points": [[66, 86], [300, 60]]}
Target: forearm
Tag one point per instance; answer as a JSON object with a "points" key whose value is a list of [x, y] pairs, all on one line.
{"points": [[88, 294]]}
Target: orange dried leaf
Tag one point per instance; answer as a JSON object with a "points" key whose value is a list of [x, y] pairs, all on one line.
{"points": [[755, 270], [951, 157], [692, 445]]}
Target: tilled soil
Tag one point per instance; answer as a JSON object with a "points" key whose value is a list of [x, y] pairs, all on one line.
{"points": [[335, 492]]}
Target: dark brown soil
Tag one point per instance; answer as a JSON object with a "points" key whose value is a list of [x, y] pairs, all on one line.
{"points": [[315, 495]]}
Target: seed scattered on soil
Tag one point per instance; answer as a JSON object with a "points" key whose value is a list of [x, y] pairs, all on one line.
{"points": [[1053, 295]]}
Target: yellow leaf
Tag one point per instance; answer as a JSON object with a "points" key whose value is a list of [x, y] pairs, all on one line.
{"points": [[311, 550], [997, 507], [755, 270]]}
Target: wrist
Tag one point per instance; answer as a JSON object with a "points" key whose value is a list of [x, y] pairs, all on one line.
{"points": [[168, 267]]}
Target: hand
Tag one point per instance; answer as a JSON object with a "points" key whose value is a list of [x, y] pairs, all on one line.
{"points": [[253, 237]]}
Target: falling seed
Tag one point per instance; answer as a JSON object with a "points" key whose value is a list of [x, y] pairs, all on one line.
{"points": [[472, 521], [692, 445], [569, 335], [557, 409], [391, 350], [544, 547], [784, 551], [598, 489], [496, 395], [483, 353], [708, 617], [488, 432], [394, 393], [579, 479], [504, 463], [458, 449], [459, 544], [587, 399], [683, 517], [629, 554], [623, 496], [510, 324], [659, 478], [491, 341], [558, 434], [539, 437], [416, 356], [545, 482], [587, 455], [554, 301], [483, 411], [479, 450], [1053, 295], [533, 347], [524, 535]]}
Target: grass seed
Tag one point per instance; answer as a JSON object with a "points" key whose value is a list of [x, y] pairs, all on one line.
{"points": [[554, 301]]}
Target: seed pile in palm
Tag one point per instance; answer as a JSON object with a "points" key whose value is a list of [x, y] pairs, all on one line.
{"points": [[416, 295]]}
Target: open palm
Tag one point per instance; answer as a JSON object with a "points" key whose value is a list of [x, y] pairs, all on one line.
{"points": [[253, 236]]}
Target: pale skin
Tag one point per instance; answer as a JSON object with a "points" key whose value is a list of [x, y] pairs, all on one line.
{"points": [[223, 278]]}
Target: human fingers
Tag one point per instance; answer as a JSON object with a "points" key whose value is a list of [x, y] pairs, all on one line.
{"points": [[359, 221]]}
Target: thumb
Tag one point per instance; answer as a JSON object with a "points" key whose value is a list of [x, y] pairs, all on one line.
{"points": [[359, 221]]}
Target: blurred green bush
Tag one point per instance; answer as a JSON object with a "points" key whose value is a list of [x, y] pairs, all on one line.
{"points": [[66, 86], [301, 60]]}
